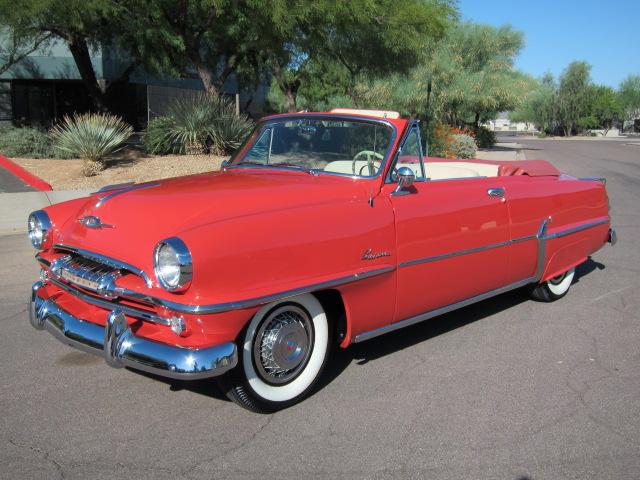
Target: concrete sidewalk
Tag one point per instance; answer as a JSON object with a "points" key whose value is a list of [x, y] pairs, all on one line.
{"points": [[16, 207]]}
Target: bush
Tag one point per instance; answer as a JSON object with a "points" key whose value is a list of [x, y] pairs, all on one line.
{"points": [[485, 138], [155, 138], [91, 136], [197, 125], [25, 142], [444, 142], [463, 146]]}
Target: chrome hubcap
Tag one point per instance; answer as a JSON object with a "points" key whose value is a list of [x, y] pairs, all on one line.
{"points": [[557, 280], [283, 344]]}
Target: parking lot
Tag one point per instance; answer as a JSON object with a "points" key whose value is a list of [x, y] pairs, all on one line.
{"points": [[505, 389]]}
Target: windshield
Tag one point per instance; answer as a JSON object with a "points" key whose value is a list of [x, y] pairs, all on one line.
{"points": [[349, 147]]}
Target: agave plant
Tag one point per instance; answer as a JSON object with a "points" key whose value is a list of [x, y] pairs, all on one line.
{"points": [[91, 136], [229, 132], [197, 125]]}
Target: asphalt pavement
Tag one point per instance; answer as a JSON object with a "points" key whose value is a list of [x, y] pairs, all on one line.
{"points": [[9, 183], [504, 389]]}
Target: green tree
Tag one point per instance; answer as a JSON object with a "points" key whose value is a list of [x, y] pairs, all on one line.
{"points": [[81, 24], [572, 95], [630, 97], [217, 38], [539, 106], [471, 74], [16, 45], [337, 43], [604, 106]]}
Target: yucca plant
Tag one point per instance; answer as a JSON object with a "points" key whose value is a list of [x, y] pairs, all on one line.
{"points": [[91, 137], [229, 132], [197, 125]]}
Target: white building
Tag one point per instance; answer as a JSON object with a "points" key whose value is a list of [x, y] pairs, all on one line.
{"points": [[503, 124]]}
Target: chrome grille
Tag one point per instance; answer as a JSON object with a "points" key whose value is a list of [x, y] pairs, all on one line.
{"points": [[86, 273]]}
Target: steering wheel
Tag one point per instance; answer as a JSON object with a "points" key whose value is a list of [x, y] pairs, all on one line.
{"points": [[371, 157]]}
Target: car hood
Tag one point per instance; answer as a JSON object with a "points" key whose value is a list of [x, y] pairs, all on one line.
{"points": [[136, 217]]}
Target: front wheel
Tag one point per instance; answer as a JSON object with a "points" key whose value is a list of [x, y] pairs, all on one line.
{"points": [[554, 288], [283, 352]]}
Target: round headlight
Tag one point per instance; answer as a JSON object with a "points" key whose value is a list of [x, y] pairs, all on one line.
{"points": [[173, 265], [39, 226]]}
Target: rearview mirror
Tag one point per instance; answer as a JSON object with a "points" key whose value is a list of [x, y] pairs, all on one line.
{"points": [[406, 177]]}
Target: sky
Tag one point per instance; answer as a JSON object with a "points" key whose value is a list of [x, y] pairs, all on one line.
{"points": [[603, 33]]}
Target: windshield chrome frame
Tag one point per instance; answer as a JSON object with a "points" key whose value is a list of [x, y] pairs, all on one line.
{"points": [[321, 117]]}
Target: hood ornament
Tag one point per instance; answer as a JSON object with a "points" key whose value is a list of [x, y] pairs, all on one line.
{"points": [[94, 222]]}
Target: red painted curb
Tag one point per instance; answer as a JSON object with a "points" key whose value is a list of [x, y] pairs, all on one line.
{"points": [[24, 175]]}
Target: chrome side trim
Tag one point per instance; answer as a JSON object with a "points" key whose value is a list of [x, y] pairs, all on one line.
{"points": [[440, 311], [253, 302], [108, 305], [216, 307], [468, 251], [579, 228], [122, 348], [542, 249], [120, 191], [541, 238], [112, 262]]}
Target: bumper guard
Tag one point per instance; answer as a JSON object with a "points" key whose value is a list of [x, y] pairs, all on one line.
{"points": [[121, 348]]}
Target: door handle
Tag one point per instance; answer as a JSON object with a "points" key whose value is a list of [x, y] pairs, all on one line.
{"points": [[496, 192]]}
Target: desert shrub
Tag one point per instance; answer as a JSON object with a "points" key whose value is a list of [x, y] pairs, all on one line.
{"points": [[25, 142], [156, 138], [197, 125], [91, 137], [463, 146], [230, 131], [485, 138]]}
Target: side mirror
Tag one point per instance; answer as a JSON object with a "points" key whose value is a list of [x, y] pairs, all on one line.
{"points": [[406, 177]]}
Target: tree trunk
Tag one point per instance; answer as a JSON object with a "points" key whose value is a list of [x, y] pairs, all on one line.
{"points": [[207, 79], [80, 51], [291, 93]]}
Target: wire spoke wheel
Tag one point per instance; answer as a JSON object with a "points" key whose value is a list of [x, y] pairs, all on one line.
{"points": [[283, 344]]}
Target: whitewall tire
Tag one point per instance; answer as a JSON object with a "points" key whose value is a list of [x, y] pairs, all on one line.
{"points": [[554, 288], [282, 354]]}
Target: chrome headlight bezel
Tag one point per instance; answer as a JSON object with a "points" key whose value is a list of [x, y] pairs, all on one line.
{"points": [[39, 228], [183, 261]]}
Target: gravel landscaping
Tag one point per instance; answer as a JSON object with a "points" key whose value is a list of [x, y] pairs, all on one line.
{"points": [[129, 166]]}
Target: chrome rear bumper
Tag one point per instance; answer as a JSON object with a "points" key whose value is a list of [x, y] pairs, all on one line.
{"points": [[121, 348]]}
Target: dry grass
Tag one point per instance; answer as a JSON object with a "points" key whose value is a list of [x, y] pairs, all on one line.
{"points": [[126, 166]]}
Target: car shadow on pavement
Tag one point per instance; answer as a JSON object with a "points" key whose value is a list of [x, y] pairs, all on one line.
{"points": [[392, 342]]}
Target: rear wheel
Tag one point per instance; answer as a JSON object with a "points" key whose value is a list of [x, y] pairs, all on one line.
{"points": [[554, 288], [283, 352]]}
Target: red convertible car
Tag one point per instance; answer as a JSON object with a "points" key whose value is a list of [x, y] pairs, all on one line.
{"points": [[324, 228]]}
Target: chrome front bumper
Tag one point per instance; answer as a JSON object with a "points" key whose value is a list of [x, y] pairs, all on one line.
{"points": [[121, 348]]}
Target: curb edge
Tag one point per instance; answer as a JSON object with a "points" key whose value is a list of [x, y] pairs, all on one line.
{"points": [[24, 175]]}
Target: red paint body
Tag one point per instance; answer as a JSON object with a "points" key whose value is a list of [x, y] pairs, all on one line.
{"points": [[254, 232]]}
